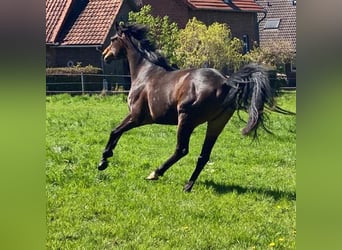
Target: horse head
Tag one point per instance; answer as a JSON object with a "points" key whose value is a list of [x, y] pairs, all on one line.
{"points": [[116, 48]]}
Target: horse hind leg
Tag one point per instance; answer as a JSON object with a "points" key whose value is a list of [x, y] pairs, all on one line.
{"points": [[214, 129], [207, 147]]}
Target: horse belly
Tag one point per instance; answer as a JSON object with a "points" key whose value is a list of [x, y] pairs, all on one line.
{"points": [[164, 115], [167, 120]]}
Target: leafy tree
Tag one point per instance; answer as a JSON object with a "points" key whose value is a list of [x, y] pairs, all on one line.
{"points": [[275, 55], [211, 46], [162, 32], [198, 45]]}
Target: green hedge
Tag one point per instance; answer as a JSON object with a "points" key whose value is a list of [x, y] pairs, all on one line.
{"points": [[71, 76], [73, 70]]}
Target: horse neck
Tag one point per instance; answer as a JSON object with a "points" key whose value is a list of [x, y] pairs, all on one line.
{"points": [[135, 61]]}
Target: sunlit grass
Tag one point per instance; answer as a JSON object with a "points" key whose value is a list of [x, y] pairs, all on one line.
{"points": [[245, 198]]}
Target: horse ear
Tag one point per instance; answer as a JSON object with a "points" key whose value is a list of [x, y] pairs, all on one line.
{"points": [[118, 28]]}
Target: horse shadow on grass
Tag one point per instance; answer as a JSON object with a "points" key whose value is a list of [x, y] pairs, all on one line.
{"points": [[222, 189]]}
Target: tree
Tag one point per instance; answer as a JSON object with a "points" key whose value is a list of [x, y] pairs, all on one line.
{"points": [[197, 45], [211, 46], [163, 33], [275, 55]]}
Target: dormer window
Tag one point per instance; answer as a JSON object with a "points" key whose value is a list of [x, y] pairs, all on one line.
{"points": [[272, 23]]}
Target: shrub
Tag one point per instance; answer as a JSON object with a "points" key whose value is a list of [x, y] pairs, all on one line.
{"points": [[212, 46], [78, 69], [198, 45], [275, 55], [163, 33], [69, 78]]}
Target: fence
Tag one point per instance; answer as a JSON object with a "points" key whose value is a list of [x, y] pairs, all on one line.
{"points": [[87, 83], [109, 84]]}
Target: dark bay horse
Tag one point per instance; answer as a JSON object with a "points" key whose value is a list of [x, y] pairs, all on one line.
{"points": [[186, 98]]}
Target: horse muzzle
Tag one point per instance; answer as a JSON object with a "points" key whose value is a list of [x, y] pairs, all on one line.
{"points": [[108, 58], [107, 55]]}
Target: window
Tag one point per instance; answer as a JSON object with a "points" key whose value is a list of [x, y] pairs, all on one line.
{"points": [[272, 23], [294, 2], [293, 65]]}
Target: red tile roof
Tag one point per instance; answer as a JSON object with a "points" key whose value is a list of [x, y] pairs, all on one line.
{"points": [[234, 5], [93, 24], [75, 22], [55, 17]]}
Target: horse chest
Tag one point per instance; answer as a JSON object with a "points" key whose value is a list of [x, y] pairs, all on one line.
{"points": [[135, 92]]}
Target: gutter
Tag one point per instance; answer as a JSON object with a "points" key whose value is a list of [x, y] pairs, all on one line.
{"points": [[258, 26], [81, 46], [265, 14], [52, 44]]}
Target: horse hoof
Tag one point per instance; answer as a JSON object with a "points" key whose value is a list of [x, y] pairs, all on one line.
{"points": [[152, 176], [188, 186], [102, 165]]}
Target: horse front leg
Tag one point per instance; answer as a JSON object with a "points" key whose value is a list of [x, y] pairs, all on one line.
{"points": [[127, 124]]}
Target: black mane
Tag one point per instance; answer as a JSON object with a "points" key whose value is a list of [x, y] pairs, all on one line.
{"points": [[138, 35]]}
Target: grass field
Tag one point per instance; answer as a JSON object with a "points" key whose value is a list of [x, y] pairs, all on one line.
{"points": [[245, 198]]}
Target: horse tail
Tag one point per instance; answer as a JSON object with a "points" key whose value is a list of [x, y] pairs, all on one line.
{"points": [[253, 94]]}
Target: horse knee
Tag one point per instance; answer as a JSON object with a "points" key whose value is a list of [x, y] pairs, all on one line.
{"points": [[181, 152]]}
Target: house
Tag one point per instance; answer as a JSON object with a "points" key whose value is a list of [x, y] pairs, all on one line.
{"points": [[279, 25], [78, 30], [240, 15]]}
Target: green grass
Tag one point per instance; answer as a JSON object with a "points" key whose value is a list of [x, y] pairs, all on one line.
{"points": [[245, 198]]}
